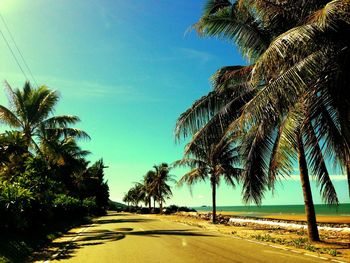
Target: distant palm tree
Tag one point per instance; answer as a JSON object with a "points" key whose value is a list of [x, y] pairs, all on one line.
{"points": [[160, 184], [127, 198], [211, 159], [135, 195], [150, 190], [30, 111]]}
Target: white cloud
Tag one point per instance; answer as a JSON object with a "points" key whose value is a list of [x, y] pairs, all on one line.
{"points": [[79, 88], [202, 56], [180, 54]]}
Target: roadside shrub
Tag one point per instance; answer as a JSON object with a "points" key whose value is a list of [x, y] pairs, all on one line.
{"points": [[333, 252], [15, 201], [310, 247], [186, 209], [156, 210], [4, 260], [171, 209], [89, 205], [299, 242], [65, 205], [143, 210]]}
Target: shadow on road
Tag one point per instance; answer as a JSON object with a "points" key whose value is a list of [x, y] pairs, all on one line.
{"points": [[116, 221], [101, 236]]}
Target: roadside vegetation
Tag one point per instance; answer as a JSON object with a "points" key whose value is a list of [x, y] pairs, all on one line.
{"points": [[46, 183]]}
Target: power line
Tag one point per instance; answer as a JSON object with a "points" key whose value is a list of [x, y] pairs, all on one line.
{"points": [[18, 50], [13, 54]]}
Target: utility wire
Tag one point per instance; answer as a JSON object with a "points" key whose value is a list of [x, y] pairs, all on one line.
{"points": [[13, 54], [18, 50]]}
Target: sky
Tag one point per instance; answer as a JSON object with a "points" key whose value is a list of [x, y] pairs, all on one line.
{"points": [[128, 69]]}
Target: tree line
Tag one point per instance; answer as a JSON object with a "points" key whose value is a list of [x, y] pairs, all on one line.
{"points": [[44, 174], [290, 103], [153, 187]]}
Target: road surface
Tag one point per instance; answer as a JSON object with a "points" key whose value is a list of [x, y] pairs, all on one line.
{"points": [[129, 238]]}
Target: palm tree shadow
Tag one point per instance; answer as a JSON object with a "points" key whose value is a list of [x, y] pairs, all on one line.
{"points": [[116, 221], [66, 250]]}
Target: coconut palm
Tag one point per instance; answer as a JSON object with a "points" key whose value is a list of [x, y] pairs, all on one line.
{"points": [[211, 159], [135, 195], [30, 112], [160, 184], [302, 68], [269, 150], [150, 192]]}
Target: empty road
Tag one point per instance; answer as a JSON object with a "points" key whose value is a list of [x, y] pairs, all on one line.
{"points": [[129, 238]]}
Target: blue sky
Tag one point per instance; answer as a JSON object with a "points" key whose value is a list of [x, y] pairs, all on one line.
{"points": [[127, 69]]}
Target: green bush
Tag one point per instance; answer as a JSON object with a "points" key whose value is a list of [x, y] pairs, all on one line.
{"points": [[89, 204], [65, 205], [15, 201]]}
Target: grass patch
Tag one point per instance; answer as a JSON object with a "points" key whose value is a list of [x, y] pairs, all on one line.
{"points": [[300, 242]]}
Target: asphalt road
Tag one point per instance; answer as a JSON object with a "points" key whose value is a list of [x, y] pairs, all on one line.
{"points": [[129, 238]]}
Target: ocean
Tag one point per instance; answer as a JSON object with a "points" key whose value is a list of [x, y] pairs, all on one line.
{"points": [[321, 209]]}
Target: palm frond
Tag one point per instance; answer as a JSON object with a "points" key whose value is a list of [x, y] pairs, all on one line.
{"points": [[60, 121], [318, 165], [7, 117], [287, 87], [46, 102], [256, 145], [192, 177], [213, 6], [229, 24]]}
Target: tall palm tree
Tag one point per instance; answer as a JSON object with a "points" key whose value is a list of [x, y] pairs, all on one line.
{"points": [[30, 112], [150, 190], [211, 159], [288, 44], [269, 150], [160, 184]]}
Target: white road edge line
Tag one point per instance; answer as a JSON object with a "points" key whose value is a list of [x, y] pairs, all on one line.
{"points": [[338, 261], [81, 230]]}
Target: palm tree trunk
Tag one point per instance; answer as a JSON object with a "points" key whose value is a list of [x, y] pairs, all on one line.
{"points": [[149, 203], [305, 183], [160, 206], [213, 189], [348, 175]]}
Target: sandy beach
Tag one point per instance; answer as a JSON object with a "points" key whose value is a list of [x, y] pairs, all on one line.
{"points": [[296, 217]]}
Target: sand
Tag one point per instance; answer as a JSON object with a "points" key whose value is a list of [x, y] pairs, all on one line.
{"points": [[299, 217]]}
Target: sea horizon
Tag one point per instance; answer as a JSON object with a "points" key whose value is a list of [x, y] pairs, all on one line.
{"points": [[321, 209]]}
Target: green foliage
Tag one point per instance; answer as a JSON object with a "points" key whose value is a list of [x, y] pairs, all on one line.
{"points": [[66, 202], [299, 242], [4, 260], [310, 247], [15, 202], [89, 204], [30, 110], [43, 174], [333, 252]]}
